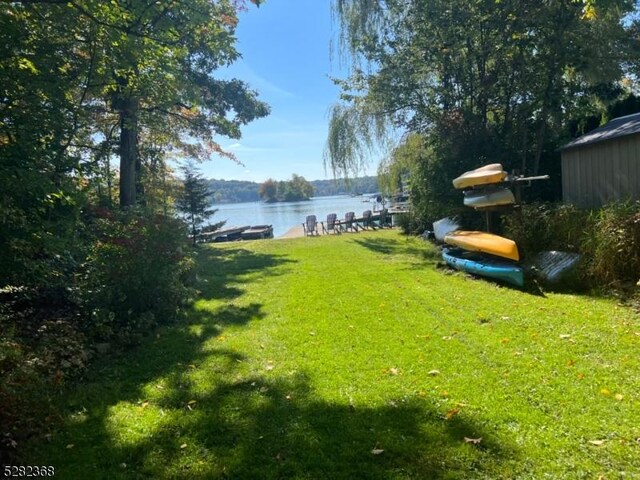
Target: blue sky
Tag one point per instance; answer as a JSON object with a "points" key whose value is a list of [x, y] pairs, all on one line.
{"points": [[286, 57]]}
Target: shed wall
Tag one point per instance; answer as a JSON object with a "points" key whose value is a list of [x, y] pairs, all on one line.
{"points": [[602, 172]]}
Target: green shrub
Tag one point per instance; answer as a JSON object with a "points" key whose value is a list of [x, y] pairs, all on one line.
{"points": [[546, 226], [612, 244], [608, 239], [133, 277]]}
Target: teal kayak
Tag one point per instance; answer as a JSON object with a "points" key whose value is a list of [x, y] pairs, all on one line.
{"points": [[484, 266]]}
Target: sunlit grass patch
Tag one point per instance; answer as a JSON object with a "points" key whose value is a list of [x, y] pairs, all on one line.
{"points": [[357, 356]]}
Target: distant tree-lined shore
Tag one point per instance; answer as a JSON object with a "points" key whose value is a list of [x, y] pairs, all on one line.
{"points": [[239, 191]]}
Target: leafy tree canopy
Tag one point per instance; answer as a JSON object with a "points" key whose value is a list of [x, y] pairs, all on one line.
{"points": [[481, 82], [290, 191]]}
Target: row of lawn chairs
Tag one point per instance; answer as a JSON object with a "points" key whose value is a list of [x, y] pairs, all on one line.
{"points": [[349, 224]]}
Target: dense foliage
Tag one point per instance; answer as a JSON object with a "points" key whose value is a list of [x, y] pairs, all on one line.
{"points": [[293, 190], [93, 258], [608, 239], [479, 82]]}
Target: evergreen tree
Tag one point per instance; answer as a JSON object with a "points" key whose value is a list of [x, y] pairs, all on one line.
{"points": [[195, 199]]}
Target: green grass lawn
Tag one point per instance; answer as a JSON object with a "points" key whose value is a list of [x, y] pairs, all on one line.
{"points": [[355, 356]]}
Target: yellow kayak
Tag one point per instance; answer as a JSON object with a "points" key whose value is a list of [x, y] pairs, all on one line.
{"points": [[483, 242], [492, 173]]}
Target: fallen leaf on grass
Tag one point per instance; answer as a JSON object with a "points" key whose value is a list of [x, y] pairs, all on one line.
{"points": [[393, 371], [433, 373], [451, 413], [605, 391], [269, 367], [377, 451], [505, 340], [564, 336], [192, 402], [183, 446], [475, 441], [145, 404], [70, 446], [264, 390], [619, 397], [597, 443]]}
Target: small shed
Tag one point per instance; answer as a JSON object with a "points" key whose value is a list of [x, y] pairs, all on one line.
{"points": [[603, 165]]}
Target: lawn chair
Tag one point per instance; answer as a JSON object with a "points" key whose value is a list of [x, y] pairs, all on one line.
{"points": [[367, 221], [331, 224], [349, 222], [310, 226], [385, 218]]}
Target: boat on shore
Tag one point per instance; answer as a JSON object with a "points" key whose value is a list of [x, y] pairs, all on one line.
{"points": [[443, 226], [490, 197], [476, 241], [484, 266], [492, 173]]}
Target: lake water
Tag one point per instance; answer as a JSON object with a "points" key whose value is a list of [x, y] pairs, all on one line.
{"points": [[285, 215]]}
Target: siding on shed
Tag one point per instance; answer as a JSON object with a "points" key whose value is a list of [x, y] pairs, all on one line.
{"points": [[598, 173]]}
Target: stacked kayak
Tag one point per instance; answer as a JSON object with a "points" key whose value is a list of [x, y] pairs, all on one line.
{"points": [[484, 254], [490, 197], [492, 173], [482, 187], [483, 242], [484, 266]]}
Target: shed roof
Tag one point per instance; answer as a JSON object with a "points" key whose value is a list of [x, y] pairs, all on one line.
{"points": [[618, 127]]}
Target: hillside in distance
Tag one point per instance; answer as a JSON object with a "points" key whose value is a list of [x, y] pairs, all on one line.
{"points": [[239, 191]]}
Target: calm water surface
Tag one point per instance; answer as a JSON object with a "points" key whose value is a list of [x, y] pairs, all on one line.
{"points": [[286, 215]]}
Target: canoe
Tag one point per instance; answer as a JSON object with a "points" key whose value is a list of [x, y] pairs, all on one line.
{"points": [[479, 264], [553, 266], [492, 173], [443, 226], [483, 242], [489, 197]]}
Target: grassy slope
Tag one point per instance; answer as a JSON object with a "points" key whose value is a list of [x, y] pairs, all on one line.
{"points": [[305, 355]]}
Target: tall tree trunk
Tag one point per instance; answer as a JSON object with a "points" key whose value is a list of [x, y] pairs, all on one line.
{"points": [[128, 151]]}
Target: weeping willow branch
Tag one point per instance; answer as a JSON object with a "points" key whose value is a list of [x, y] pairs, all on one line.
{"points": [[357, 20], [359, 128], [356, 132]]}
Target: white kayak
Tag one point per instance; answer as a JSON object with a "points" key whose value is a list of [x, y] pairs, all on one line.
{"points": [[443, 226], [489, 197]]}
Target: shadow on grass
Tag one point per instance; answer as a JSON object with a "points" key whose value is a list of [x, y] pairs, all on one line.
{"points": [[221, 269], [256, 427], [399, 246], [180, 406]]}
